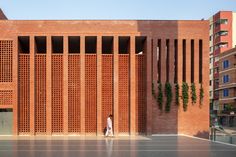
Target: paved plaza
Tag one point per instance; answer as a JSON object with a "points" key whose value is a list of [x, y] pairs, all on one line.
{"points": [[73, 146]]}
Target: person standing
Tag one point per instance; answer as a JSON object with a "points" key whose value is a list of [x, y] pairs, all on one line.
{"points": [[109, 131]]}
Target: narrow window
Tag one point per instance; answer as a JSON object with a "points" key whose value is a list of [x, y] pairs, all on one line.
{"points": [[107, 45], [140, 43], [74, 44], [192, 61], [40, 44], [226, 92], [200, 61], [23, 44], [57, 44], [167, 59], [159, 59], [124, 45], [91, 44], [184, 60], [176, 60]]}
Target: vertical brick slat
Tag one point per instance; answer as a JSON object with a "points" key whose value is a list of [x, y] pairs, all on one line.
{"points": [[116, 86], [99, 85], [132, 87], [65, 85], [49, 86], [32, 85], [82, 84]]}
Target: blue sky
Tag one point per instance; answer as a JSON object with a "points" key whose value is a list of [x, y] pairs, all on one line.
{"points": [[114, 9]]}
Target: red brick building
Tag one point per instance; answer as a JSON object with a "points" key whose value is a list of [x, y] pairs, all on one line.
{"points": [[66, 77]]}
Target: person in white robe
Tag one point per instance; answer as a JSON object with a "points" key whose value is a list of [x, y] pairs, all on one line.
{"points": [[109, 131]]}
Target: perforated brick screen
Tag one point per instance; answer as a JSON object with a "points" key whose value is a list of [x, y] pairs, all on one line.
{"points": [[57, 93], [24, 94], [140, 93], [6, 61], [124, 93], [40, 94], [74, 93], [107, 87], [5, 97], [90, 93]]}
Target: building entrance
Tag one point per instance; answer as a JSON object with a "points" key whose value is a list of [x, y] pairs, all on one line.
{"points": [[6, 121]]}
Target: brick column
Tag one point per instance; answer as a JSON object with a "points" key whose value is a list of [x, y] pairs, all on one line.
{"points": [[196, 61], [132, 87], [116, 86], [163, 61], [82, 84], [188, 62], [32, 85], [99, 85], [149, 85], [15, 80], [171, 62], [180, 63], [49, 86], [154, 61], [65, 84]]}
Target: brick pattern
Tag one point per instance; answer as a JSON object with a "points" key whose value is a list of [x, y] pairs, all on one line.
{"points": [[107, 88], [140, 93], [40, 94], [124, 94], [90, 94], [24, 94], [6, 97], [6, 49], [57, 93], [74, 94]]}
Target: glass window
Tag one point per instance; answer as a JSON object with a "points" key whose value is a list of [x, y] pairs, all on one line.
{"points": [[225, 64], [226, 92], [225, 78]]}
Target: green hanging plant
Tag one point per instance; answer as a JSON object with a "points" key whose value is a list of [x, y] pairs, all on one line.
{"points": [[153, 90], [177, 94], [193, 93], [168, 92], [201, 94], [160, 96], [185, 95]]}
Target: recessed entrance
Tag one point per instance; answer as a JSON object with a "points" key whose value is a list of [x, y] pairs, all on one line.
{"points": [[6, 121]]}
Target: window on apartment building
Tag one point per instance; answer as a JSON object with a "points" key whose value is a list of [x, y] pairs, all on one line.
{"points": [[221, 21], [226, 92], [225, 78], [221, 33], [221, 45], [225, 64], [210, 82]]}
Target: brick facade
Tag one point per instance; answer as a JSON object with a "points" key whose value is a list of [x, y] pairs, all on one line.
{"points": [[70, 87]]}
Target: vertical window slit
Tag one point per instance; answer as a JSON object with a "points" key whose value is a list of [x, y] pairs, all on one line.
{"points": [[184, 60], [192, 61]]}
